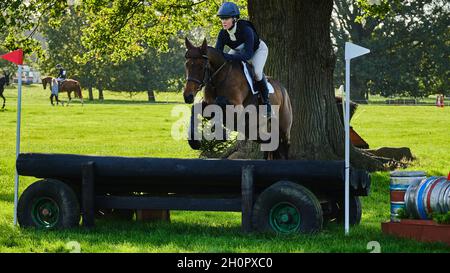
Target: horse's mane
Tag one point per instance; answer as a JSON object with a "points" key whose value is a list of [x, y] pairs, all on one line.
{"points": [[215, 57]]}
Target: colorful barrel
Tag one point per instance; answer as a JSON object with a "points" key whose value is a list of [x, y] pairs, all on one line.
{"points": [[432, 195], [400, 182]]}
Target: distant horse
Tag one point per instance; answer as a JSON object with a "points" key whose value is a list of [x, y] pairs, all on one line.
{"points": [[226, 84], [4, 81], [68, 86]]}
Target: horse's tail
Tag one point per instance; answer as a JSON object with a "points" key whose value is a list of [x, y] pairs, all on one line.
{"points": [[80, 94]]}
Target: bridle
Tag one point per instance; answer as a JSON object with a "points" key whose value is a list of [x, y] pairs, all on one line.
{"points": [[207, 76]]}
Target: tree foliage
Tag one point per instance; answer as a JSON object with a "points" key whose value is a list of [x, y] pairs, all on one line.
{"points": [[151, 70], [409, 47]]}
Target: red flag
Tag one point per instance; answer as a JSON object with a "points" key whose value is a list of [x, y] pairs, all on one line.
{"points": [[15, 56], [448, 178]]}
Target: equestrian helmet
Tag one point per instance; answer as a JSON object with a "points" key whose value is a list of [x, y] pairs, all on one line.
{"points": [[58, 66], [228, 10]]}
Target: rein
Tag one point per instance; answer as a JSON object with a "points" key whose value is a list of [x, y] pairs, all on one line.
{"points": [[207, 78]]}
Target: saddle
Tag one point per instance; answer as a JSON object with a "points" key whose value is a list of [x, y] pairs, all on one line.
{"points": [[256, 98], [60, 82]]}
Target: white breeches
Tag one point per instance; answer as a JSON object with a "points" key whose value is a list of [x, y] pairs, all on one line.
{"points": [[258, 60]]}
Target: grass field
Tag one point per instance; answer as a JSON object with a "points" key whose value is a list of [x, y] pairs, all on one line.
{"points": [[132, 127]]}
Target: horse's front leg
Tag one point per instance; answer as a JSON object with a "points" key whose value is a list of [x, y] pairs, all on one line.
{"points": [[51, 99], [194, 137]]}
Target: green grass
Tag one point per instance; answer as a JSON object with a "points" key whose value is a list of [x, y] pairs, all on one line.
{"points": [[133, 127]]}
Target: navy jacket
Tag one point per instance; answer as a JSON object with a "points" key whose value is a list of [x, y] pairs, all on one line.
{"points": [[245, 34], [62, 73]]}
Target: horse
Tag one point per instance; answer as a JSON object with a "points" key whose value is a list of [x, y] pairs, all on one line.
{"points": [[4, 81], [225, 84], [68, 86]]}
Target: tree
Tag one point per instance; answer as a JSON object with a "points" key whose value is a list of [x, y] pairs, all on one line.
{"points": [[302, 57], [408, 46], [305, 62], [151, 70], [63, 46]]}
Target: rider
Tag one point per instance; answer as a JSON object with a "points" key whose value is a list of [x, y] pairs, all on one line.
{"points": [[241, 36], [61, 74]]}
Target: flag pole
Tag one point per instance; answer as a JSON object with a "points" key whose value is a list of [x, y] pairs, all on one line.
{"points": [[347, 148], [16, 57], [351, 51], [19, 113]]}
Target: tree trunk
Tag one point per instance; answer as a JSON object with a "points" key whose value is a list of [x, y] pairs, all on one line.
{"points": [[358, 89], [302, 58], [91, 94], [151, 96], [100, 91]]}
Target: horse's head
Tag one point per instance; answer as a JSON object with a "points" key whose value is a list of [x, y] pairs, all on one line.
{"points": [[45, 81], [196, 69]]}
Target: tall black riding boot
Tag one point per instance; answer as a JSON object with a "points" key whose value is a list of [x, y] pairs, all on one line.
{"points": [[264, 90]]}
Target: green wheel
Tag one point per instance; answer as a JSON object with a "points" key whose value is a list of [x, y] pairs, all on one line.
{"points": [[286, 208], [48, 204], [45, 212], [284, 217]]}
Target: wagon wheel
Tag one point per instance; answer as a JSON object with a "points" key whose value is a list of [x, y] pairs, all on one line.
{"points": [[337, 211], [48, 204], [286, 207]]}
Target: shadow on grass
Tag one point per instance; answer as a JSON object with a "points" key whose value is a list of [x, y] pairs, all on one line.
{"points": [[7, 197], [113, 235]]}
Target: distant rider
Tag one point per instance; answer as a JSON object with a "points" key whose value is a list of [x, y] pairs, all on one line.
{"points": [[61, 75]]}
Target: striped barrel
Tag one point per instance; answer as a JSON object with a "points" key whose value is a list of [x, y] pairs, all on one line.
{"points": [[400, 182], [432, 195]]}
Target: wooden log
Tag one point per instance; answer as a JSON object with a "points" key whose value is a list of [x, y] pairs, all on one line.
{"points": [[169, 203], [87, 193], [192, 176], [247, 198]]}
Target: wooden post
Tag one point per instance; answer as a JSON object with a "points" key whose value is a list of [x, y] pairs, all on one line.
{"points": [[87, 193], [247, 197], [150, 215]]}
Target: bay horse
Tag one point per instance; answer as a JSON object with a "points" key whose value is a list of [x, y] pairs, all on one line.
{"points": [[225, 84], [4, 81], [68, 86]]}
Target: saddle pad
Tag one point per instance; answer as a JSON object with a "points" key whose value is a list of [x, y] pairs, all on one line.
{"points": [[250, 81]]}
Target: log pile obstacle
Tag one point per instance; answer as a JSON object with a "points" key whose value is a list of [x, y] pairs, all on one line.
{"points": [[283, 196]]}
